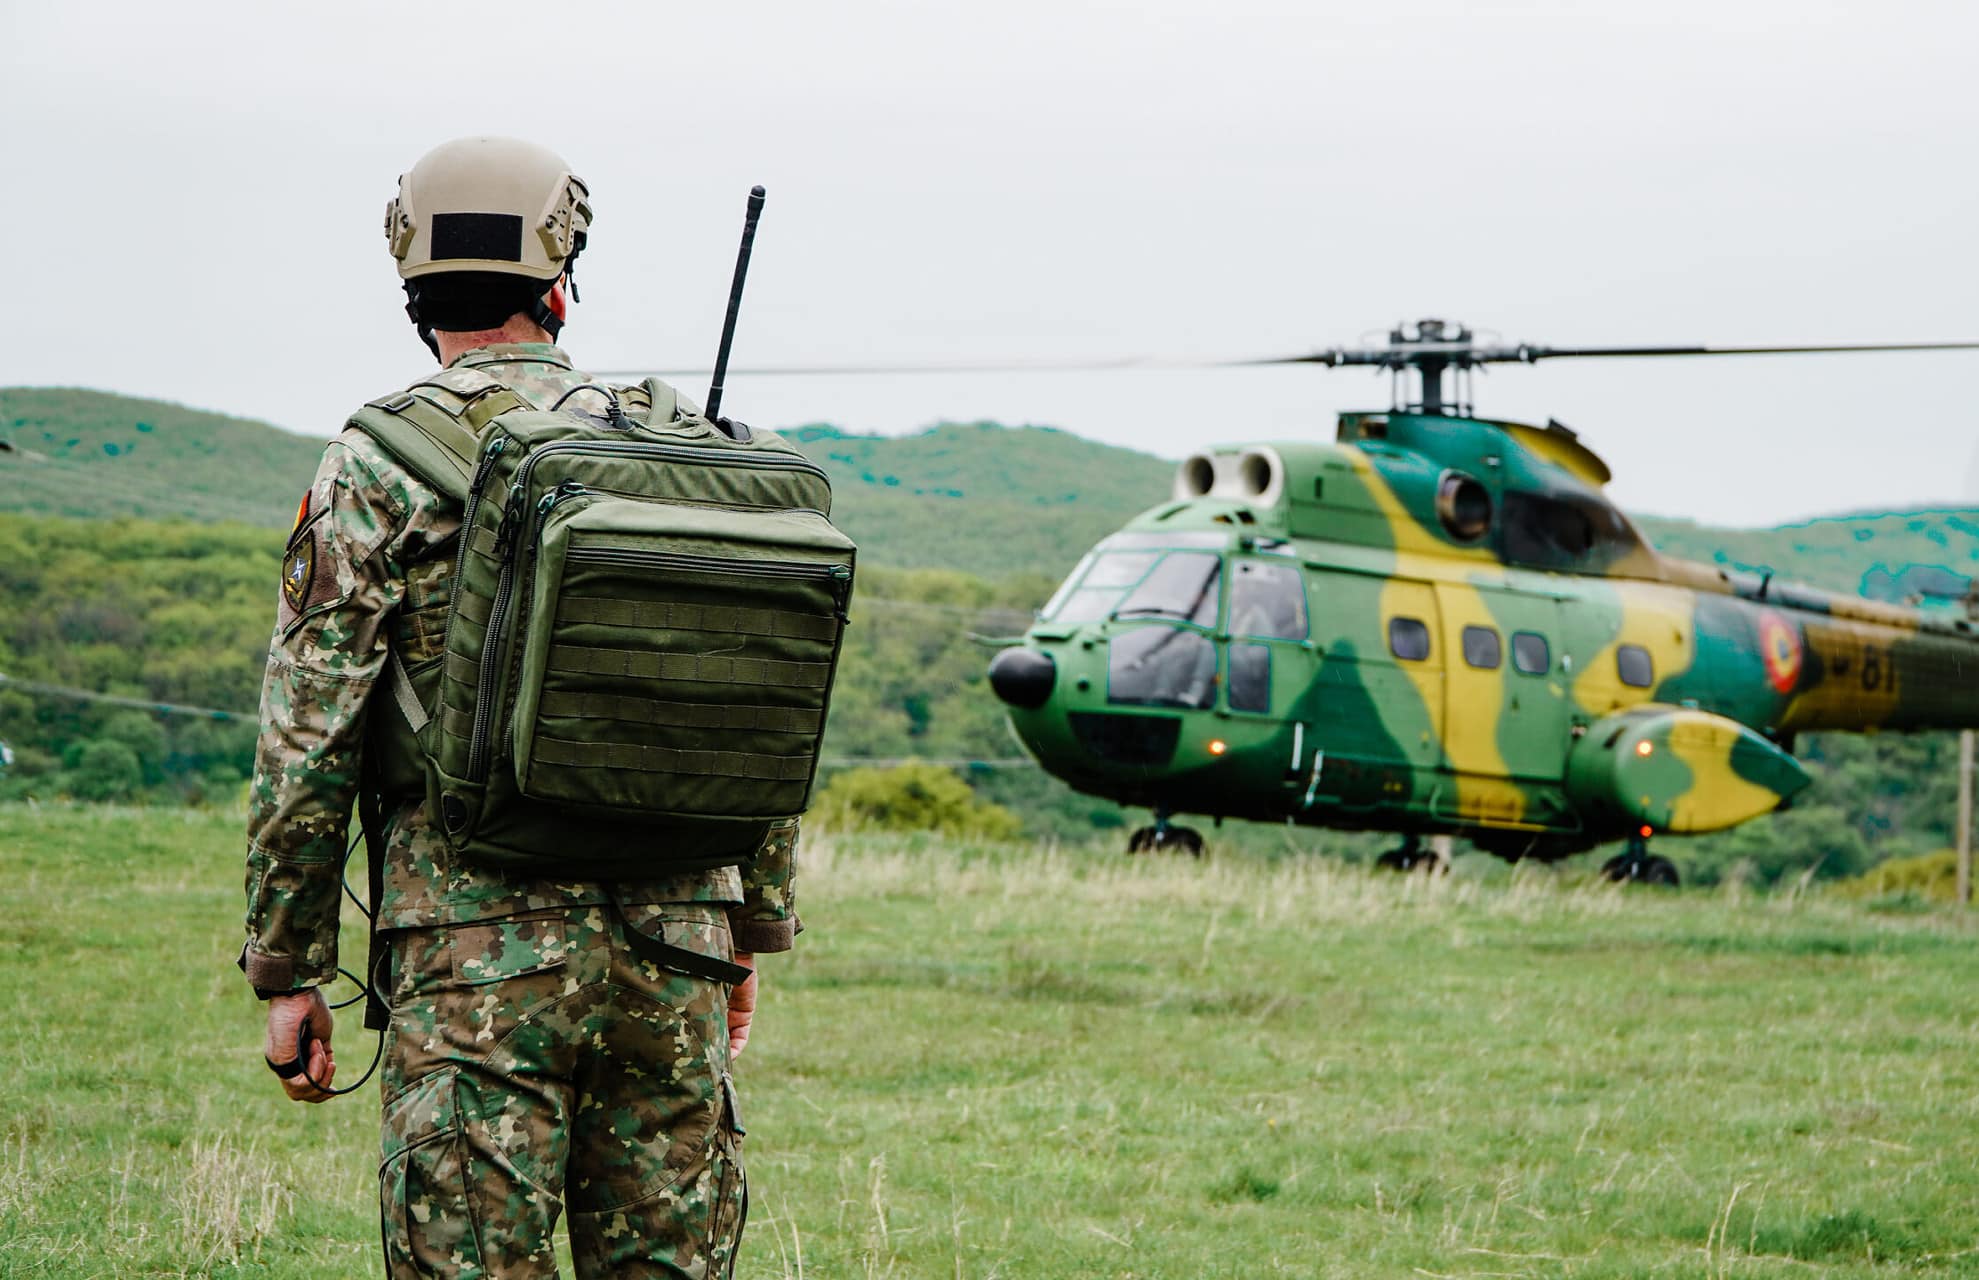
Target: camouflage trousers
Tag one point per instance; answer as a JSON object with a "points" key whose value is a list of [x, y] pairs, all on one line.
{"points": [[535, 1066]]}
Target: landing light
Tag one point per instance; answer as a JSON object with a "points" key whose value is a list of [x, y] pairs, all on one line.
{"points": [[1648, 832], [1218, 746], [1645, 748]]}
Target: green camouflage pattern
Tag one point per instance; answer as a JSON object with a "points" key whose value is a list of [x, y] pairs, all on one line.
{"points": [[532, 1067], [536, 1068], [1460, 610], [379, 547]]}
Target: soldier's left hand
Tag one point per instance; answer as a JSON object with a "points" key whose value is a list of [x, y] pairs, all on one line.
{"points": [[741, 1006]]}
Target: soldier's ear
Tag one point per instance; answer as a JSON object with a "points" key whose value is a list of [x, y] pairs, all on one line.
{"points": [[555, 299]]}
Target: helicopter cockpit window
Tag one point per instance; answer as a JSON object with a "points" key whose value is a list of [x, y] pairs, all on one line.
{"points": [[1250, 677], [1161, 667], [1106, 575], [1634, 666], [1184, 585], [1267, 600], [1408, 639]]}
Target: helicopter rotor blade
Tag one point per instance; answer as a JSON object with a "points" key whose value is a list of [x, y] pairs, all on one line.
{"points": [[1529, 354], [1393, 357], [838, 370], [1465, 353]]}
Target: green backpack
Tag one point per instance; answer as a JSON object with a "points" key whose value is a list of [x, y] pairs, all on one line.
{"points": [[644, 622]]}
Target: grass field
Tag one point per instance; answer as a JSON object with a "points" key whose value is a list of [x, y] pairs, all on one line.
{"points": [[1017, 1062]]}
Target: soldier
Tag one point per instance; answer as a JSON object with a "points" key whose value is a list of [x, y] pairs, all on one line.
{"points": [[534, 1063]]}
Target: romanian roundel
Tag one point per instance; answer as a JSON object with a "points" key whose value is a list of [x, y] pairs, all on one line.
{"points": [[1779, 645]]}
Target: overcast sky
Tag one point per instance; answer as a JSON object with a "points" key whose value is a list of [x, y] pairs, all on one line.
{"points": [[195, 194]]}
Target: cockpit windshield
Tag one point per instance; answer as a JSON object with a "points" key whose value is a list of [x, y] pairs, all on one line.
{"points": [[1140, 584], [1182, 586]]}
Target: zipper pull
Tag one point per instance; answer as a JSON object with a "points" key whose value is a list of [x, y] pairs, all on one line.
{"points": [[568, 489], [841, 577], [486, 465], [506, 528]]}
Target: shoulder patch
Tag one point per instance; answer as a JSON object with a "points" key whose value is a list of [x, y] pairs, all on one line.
{"points": [[301, 515], [299, 573]]}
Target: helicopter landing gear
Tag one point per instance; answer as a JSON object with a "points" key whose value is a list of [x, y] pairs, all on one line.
{"points": [[1413, 857], [1162, 838], [1636, 865]]}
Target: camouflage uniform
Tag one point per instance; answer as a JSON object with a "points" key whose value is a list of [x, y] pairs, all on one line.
{"points": [[532, 1062]]}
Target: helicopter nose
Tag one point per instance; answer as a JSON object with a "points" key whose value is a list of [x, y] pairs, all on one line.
{"points": [[1022, 677]]}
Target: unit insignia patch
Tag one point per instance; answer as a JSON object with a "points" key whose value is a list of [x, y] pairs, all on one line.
{"points": [[299, 573]]}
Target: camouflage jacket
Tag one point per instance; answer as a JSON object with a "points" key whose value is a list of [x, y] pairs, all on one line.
{"points": [[366, 570]]}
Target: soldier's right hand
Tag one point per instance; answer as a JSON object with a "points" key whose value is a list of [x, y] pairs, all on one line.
{"points": [[286, 1016]]}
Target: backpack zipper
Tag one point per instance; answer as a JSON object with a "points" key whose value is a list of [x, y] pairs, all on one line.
{"points": [[840, 575]]}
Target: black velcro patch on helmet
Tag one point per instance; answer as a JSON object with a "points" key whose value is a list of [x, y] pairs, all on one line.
{"points": [[494, 236]]}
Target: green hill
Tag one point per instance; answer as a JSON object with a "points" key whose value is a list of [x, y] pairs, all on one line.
{"points": [[985, 499], [95, 455], [1847, 553]]}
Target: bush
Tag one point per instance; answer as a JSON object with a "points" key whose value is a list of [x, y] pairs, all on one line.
{"points": [[912, 797], [104, 770], [1930, 876]]}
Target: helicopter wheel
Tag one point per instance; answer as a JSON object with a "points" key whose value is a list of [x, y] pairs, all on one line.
{"points": [[1166, 839], [1635, 868], [1412, 857], [1181, 839]]}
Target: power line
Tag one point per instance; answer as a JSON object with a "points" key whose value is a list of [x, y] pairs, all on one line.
{"points": [[141, 704], [895, 762], [214, 713]]}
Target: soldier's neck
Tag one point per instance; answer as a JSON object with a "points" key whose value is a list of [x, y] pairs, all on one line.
{"points": [[519, 328]]}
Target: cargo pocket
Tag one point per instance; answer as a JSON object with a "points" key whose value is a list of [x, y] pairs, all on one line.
{"points": [[427, 1217]]}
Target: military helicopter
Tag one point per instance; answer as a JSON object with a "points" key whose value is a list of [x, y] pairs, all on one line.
{"points": [[1440, 625]]}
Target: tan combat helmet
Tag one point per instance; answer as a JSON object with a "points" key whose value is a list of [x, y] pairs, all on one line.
{"points": [[481, 227]]}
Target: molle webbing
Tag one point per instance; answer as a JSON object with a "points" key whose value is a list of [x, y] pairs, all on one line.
{"points": [[691, 667], [673, 616], [670, 760], [682, 715]]}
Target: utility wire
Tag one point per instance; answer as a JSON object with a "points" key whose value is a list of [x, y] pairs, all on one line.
{"points": [[141, 704], [212, 713]]}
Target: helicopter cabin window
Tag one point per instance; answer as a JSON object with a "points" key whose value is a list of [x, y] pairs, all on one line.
{"points": [[1408, 639], [1482, 648], [1250, 677], [1267, 600], [1183, 586], [1161, 667], [1530, 653], [1633, 665]]}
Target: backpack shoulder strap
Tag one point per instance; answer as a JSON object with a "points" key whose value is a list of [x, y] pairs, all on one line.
{"points": [[666, 404], [437, 447]]}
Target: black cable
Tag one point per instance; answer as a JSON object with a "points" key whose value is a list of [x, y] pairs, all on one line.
{"points": [[364, 989], [302, 1039]]}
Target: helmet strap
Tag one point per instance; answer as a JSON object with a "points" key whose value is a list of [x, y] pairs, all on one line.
{"points": [[412, 314], [542, 314]]}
